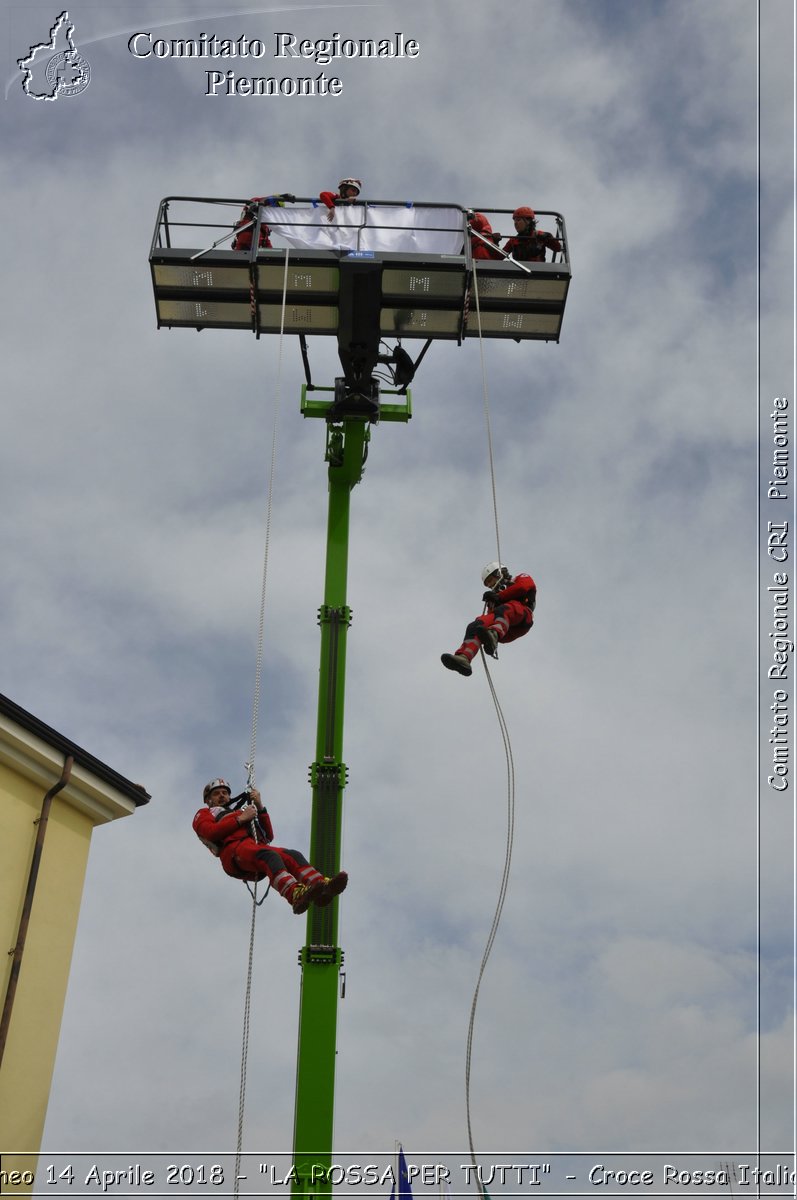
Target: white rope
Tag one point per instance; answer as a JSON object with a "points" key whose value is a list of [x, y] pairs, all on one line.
{"points": [[253, 744], [510, 833], [510, 769], [259, 659], [245, 1050], [486, 402]]}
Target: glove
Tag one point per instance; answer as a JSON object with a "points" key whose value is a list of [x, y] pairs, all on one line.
{"points": [[490, 596], [289, 197]]}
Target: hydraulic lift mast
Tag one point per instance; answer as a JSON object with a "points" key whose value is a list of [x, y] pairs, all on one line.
{"points": [[321, 958]]}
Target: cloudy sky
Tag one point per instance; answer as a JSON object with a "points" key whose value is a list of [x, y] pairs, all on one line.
{"points": [[637, 998]]}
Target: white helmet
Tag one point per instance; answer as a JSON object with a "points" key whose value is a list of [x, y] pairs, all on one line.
{"points": [[215, 783], [354, 183], [492, 568]]}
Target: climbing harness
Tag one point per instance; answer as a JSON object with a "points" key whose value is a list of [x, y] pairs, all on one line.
{"points": [[250, 765]]}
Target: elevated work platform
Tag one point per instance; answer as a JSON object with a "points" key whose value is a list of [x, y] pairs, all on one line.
{"points": [[409, 266]]}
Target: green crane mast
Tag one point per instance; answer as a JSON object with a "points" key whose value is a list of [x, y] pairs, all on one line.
{"points": [[321, 958]]}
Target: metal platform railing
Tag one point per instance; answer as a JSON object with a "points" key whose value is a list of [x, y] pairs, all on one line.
{"points": [[418, 258]]}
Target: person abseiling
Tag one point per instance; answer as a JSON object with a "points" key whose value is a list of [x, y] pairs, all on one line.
{"points": [[510, 601], [529, 243], [347, 193], [239, 833], [248, 217]]}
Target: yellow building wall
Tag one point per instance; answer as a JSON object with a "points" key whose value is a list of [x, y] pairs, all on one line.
{"points": [[20, 804], [27, 1068], [33, 759], [29, 1059]]}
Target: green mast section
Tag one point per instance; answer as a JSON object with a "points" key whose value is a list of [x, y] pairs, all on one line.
{"points": [[321, 958]]}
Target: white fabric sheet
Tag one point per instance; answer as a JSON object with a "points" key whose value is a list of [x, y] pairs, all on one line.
{"points": [[389, 227]]}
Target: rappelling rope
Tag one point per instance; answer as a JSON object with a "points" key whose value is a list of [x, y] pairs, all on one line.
{"points": [[510, 769], [244, 1052], [510, 833], [250, 766], [261, 625], [486, 401]]}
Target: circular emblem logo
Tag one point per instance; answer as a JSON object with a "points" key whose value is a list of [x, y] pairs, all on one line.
{"points": [[68, 73]]}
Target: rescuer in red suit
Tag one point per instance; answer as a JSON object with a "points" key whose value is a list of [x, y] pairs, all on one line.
{"points": [[241, 838], [510, 601], [348, 191], [243, 240], [529, 243], [479, 249]]}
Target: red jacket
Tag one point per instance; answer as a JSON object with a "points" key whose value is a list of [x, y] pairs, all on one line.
{"points": [[481, 225], [243, 240], [522, 588], [329, 198], [515, 605], [531, 247], [218, 828]]}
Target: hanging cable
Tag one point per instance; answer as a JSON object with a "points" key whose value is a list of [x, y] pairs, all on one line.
{"points": [[486, 402], [259, 658], [510, 834], [510, 772], [244, 1052], [250, 765]]}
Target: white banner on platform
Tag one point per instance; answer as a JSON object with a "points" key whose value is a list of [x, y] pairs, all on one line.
{"points": [[396, 228]]}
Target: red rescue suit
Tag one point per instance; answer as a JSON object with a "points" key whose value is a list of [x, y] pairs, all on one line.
{"points": [[243, 240], [530, 247], [479, 249], [329, 198], [241, 856], [511, 615]]}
